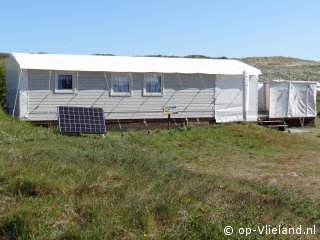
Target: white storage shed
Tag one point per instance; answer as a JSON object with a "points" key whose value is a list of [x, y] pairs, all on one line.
{"points": [[131, 87]]}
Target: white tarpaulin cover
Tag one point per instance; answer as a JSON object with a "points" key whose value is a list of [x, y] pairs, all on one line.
{"points": [[236, 98], [292, 99], [229, 98], [132, 64], [261, 97], [23, 98], [252, 111]]}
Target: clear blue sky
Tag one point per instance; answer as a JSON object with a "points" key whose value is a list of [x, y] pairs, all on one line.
{"points": [[231, 28]]}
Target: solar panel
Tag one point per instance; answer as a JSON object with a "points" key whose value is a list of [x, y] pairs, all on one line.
{"points": [[81, 120]]}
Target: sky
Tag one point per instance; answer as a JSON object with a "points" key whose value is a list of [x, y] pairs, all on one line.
{"points": [[231, 28]]}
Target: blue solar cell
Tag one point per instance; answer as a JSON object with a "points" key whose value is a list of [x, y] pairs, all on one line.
{"points": [[81, 120]]}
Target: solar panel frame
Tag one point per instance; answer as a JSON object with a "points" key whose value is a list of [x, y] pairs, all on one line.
{"points": [[81, 120]]}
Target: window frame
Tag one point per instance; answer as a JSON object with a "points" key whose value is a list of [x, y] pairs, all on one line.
{"points": [[152, 94], [68, 91], [121, 94]]}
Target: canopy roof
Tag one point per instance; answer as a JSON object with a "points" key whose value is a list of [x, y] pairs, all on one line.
{"points": [[93, 63], [290, 81]]}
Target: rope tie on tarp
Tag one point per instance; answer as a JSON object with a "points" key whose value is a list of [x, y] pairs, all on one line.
{"points": [[205, 87], [302, 120], [107, 85], [119, 125], [180, 81], [49, 96], [78, 90], [155, 78], [145, 122], [133, 87], [307, 102], [17, 92]]}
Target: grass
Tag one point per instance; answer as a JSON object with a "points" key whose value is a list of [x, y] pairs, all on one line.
{"points": [[285, 68], [177, 185], [167, 185]]}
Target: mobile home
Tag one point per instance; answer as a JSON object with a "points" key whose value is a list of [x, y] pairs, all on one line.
{"points": [[131, 88]]}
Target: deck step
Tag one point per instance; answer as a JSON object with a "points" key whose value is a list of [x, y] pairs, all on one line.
{"points": [[273, 121], [277, 126]]}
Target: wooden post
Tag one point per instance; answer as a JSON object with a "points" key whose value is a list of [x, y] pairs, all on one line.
{"points": [[169, 120]]}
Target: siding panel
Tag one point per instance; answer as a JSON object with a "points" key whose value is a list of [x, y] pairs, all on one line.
{"points": [[191, 93]]}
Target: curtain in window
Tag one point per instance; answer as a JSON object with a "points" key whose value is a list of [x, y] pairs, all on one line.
{"points": [[121, 83], [64, 82], [153, 84]]}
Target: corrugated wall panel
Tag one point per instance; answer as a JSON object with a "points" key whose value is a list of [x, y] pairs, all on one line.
{"points": [[192, 94]]}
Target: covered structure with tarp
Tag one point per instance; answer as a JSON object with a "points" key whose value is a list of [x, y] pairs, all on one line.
{"points": [[131, 88], [288, 99]]}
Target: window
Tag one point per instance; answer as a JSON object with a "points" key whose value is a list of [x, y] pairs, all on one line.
{"points": [[121, 85], [153, 85], [65, 83]]}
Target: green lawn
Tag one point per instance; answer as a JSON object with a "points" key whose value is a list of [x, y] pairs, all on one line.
{"points": [[178, 185]]}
